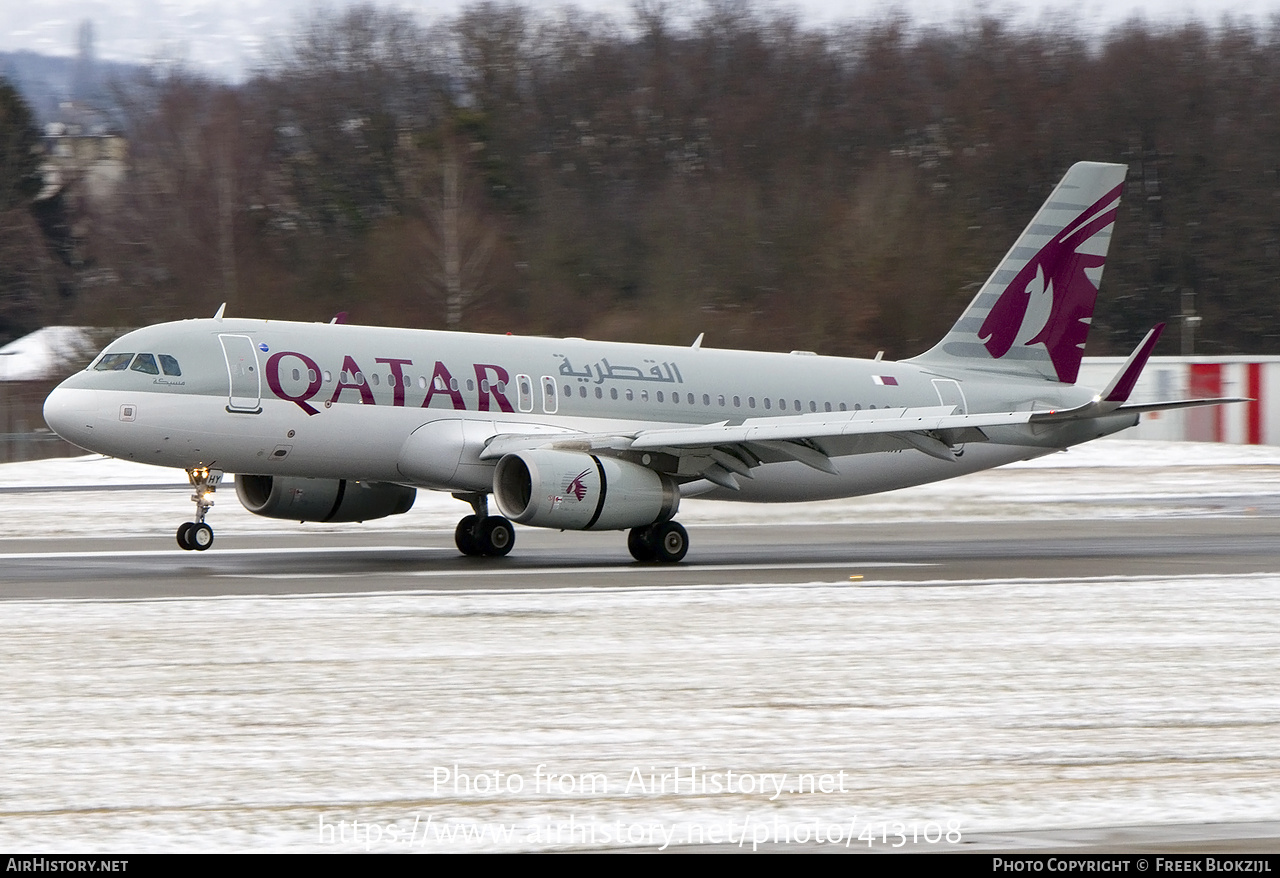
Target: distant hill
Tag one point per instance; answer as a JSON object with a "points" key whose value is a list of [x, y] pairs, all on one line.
{"points": [[46, 81]]}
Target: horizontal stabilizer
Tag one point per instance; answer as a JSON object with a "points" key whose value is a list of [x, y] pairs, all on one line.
{"points": [[1181, 404]]}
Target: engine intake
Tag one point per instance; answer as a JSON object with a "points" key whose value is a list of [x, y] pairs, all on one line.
{"points": [[298, 499], [575, 491]]}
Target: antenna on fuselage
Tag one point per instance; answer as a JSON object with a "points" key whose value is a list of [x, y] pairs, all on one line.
{"points": [[221, 308], [697, 342]]}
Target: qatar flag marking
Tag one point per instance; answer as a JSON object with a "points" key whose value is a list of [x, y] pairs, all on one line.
{"points": [[883, 380]]}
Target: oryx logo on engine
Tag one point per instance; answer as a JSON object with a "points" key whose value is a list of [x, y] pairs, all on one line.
{"points": [[576, 487]]}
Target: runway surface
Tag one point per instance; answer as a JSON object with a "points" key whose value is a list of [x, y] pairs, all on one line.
{"points": [[946, 552], [1070, 682]]}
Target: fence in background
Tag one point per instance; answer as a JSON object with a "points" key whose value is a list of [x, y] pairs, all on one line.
{"points": [[1165, 378], [23, 432]]}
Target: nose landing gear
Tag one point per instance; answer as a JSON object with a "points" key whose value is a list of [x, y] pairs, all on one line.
{"points": [[196, 535]]}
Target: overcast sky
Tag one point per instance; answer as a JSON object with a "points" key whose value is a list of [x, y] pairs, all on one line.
{"points": [[225, 37]]}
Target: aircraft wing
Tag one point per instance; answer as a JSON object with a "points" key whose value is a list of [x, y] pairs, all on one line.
{"points": [[719, 452], [722, 452]]}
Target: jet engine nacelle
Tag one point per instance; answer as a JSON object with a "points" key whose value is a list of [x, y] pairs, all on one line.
{"points": [[575, 491], [298, 499]]}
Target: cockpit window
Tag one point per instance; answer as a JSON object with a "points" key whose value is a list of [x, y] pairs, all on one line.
{"points": [[113, 362], [170, 365], [145, 363]]}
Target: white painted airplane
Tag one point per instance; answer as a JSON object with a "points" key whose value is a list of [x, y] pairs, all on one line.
{"points": [[336, 422]]}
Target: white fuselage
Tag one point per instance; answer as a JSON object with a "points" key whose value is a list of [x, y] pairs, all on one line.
{"points": [[342, 401]]}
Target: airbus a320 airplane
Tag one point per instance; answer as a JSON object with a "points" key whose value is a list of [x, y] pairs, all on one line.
{"points": [[335, 422]]}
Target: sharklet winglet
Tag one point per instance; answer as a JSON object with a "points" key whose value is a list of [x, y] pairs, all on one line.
{"points": [[1122, 384]]}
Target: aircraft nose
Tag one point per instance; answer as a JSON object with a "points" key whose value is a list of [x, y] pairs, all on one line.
{"points": [[69, 413]]}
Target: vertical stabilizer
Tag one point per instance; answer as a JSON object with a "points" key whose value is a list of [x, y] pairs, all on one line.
{"points": [[1032, 316]]}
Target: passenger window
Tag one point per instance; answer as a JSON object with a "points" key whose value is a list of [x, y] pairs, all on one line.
{"points": [[782, 405], [113, 362], [170, 365], [145, 363]]}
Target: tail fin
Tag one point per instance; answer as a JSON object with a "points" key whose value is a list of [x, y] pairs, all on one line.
{"points": [[1032, 316]]}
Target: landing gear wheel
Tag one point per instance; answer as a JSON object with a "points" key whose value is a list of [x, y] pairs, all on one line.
{"points": [[497, 536], [670, 541], [464, 536], [482, 533], [639, 544], [200, 536], [196, 535]]}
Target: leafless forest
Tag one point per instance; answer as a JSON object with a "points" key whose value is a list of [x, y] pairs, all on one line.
{"points": [[731, 172]]}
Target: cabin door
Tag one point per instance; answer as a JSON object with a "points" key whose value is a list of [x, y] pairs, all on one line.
{"points": [[245, 394]]}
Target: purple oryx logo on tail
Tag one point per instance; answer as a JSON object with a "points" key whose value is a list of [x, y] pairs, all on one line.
{"points": [[1057, 272]]}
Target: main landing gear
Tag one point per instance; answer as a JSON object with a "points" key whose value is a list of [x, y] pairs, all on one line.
{"points": [[493, 535], [482, 533], [196, 535], [665, 541]]}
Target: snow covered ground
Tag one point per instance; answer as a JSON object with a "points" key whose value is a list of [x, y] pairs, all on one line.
{"points": [[1100, 479], [522, 719]]}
